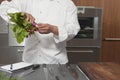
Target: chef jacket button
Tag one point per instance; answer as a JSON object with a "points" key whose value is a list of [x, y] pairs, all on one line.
{"points": [[40, 12], [57, 1]]}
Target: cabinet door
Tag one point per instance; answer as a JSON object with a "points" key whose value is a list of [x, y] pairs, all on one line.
{"points": [[111, 31], [96, 3], [83, 54], [4, 55], [111, 19], [10, 55], [15, 54], [110, 51]]}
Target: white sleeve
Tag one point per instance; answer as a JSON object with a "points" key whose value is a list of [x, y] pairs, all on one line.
{"points": [[71, 27], [7, 7]]}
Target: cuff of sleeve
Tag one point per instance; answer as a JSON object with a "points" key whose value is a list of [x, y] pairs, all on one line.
{"points": [[62, 36]]}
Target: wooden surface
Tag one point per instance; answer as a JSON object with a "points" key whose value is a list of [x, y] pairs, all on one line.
{"points": [[96, 3], [111, 29], [1, 1], [101, 71]]}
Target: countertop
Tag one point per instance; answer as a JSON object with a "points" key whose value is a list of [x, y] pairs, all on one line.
{"points": [[93, 71], [101, 70]]}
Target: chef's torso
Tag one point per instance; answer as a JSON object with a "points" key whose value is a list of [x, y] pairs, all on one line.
{"points": [[42, 48]]}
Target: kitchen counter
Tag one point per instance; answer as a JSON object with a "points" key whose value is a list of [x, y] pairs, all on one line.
{"points": [[101, 70], [87, 71]]}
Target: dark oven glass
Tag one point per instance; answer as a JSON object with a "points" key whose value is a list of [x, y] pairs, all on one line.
{"points": [[87, 28]]}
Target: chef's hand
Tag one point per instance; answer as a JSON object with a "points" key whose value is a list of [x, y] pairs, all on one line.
{"points": [[47, 28], [29, 17]]}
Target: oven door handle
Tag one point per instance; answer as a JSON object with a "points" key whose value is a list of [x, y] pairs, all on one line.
{"points": [[81, 51]]}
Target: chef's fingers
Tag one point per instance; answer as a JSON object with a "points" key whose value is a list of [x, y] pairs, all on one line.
{"points": [[43, 25], [40, 25], [43, 31], [27, 16], [30, 18]]}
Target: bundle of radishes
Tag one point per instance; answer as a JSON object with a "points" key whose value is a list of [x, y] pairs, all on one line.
{"points": [[21, 27]]}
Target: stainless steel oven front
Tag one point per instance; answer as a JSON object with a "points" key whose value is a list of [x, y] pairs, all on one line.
{"points": [[90, 20]]}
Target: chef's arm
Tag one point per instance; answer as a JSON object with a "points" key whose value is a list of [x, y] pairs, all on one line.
{"points": [[71, 27], [54, 30]]}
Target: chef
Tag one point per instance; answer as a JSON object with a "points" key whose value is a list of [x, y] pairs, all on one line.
{"points": [[56, 22]]}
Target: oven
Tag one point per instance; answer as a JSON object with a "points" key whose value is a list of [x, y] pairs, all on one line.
{"points": [[90, 20], [85, 46]]}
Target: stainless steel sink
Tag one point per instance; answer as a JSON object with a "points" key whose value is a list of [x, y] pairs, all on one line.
{"points": [[52, 72]]}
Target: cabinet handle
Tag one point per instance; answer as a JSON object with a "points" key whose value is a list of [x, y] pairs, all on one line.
{"points": [[112, 39], [81, 51], [20, 50]]}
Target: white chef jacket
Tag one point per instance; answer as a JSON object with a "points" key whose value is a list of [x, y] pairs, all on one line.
{"points": [[46, 48]]}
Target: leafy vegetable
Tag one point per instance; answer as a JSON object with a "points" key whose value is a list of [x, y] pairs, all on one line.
{"points": [[4, 77], [21, 27]]}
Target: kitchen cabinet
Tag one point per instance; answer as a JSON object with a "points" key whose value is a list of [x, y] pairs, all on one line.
{"points": [[9, 54], [15, 54], [110, 47], [111, 31]]}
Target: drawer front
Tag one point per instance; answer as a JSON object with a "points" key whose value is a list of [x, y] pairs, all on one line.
{"points": [[80, 54]]}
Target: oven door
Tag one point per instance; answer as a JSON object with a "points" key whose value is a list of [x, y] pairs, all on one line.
{"points": [[90, 33]]}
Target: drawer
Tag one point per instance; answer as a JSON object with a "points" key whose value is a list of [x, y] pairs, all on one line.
{"points": [[83, 54]]}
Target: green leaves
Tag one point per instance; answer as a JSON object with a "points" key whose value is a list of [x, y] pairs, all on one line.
{"points": [[21, 27], [19, 32]]}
